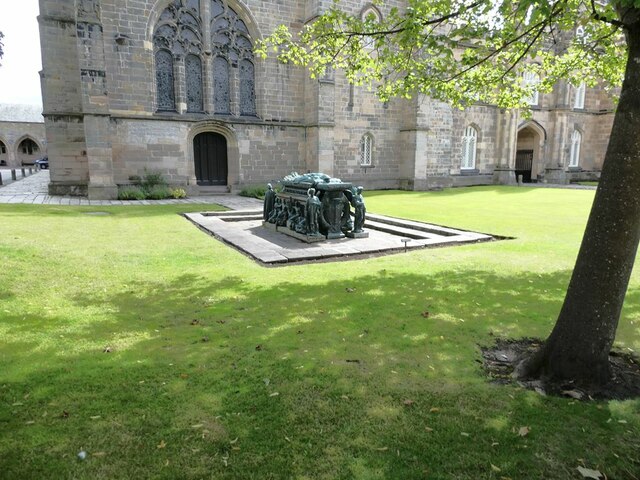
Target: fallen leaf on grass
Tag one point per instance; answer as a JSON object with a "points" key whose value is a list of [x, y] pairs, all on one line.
{"points": [[233, 441], [195, 321], [434, 410], [465, 434], [524, 431], [274, 394], [161, 444], [94, 417], [106, 350], [428, 429], [425, 314], [350, 290], [588, 473], [199, 425], [495, 469], [258, 347], [99, 454], [408, 403], [382, 449]]}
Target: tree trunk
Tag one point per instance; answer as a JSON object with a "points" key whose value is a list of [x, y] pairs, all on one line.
{"points": [[579, 345]]}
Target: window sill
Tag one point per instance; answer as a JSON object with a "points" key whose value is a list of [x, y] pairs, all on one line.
{"points": [[469, 171]]}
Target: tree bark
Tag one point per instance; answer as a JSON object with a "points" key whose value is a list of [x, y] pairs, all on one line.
{"points": [[579, 345]]}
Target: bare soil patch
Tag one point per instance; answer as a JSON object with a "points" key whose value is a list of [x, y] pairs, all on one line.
{"points": [[500, 360]]}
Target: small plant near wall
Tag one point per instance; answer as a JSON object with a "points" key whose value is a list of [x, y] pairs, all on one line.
{"points": [[151, 185], [253, 192]]}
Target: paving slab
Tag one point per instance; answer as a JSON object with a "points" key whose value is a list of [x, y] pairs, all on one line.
{"points": [[268, 246]]}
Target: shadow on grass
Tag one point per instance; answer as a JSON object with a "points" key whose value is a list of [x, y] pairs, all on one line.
{"points": [[374, 376]]}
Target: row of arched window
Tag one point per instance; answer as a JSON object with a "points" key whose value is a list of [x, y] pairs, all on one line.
{"points": [[185, 59], [469, 149]]}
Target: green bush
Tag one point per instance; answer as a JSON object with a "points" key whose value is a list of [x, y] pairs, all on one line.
{"points": [[131, 192], [253, 192], [158, 192], [150, 180], [178, 193]]}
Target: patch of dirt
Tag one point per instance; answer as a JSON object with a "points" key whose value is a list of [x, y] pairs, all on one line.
{"points": [[500, 360]]}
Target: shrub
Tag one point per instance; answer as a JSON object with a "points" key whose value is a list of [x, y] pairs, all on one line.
{"points": [[151, 180], [131, 193], [158, 192], [135, 179], [177, 193], [253, 192]]}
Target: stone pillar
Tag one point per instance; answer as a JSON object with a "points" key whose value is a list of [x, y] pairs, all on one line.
{"points": [[62, 92], [95, 101], [506, 144]]}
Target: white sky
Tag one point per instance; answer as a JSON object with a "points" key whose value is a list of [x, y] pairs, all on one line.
{"points": [[19, 78]]}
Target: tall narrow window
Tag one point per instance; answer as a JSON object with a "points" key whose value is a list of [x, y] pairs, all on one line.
{"points": [[221, 85], [531, 80], [469, 142], [232, 45], [193, 71], [579, 94], [178, 34], [574, 156], [366, 147], [247, 88], [164, 81]]}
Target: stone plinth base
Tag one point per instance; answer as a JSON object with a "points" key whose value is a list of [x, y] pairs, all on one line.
{"points": [[270, 226], [300, 236], [503, 175], [334, 235], [357, 234], [102, 192]]}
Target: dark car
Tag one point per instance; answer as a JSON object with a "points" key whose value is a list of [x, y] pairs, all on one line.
{"points": [[42, 162]]}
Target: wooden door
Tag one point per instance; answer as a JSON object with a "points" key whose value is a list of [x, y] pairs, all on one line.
{"points": [[210, 157]]}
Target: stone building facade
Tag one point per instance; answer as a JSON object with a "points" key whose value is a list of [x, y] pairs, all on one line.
{"points": [[22, 135], [173, 86]]}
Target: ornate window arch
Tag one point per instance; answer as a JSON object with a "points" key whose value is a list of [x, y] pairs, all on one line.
{"points": [[469, 148], [181, 63], [231, 42], [574, 153], [177, 37], [366, 150]]}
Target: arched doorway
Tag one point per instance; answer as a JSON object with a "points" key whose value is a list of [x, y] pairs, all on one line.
{"points": [[528, 154], [28, 152], [210, 158]]}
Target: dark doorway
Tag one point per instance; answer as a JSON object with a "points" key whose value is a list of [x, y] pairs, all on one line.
{"points": [[524, 162], [210, 156]]}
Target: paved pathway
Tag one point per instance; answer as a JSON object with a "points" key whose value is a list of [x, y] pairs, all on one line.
{"points": [[33, 189]]}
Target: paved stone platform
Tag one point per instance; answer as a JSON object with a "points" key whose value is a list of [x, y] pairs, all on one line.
{"points": [[244, 231]]}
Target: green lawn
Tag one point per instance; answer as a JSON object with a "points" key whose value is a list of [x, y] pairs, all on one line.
{"points": [[222, 369]]}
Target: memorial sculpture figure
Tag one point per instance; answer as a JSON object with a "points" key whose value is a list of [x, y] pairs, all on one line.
{"points": [[277, 206], [359, 210], [269, 202], [313, 211]]}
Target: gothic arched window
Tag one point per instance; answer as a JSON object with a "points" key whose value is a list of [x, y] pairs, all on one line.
{"points": [[177, 35], [193, 74], [164, 81], [574, 155], [247, 88], [366, 150], [469, 144], [221, 85], [230, 40]]}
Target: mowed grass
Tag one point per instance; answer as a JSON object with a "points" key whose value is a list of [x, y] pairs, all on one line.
{"points": [[216, 367]]}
